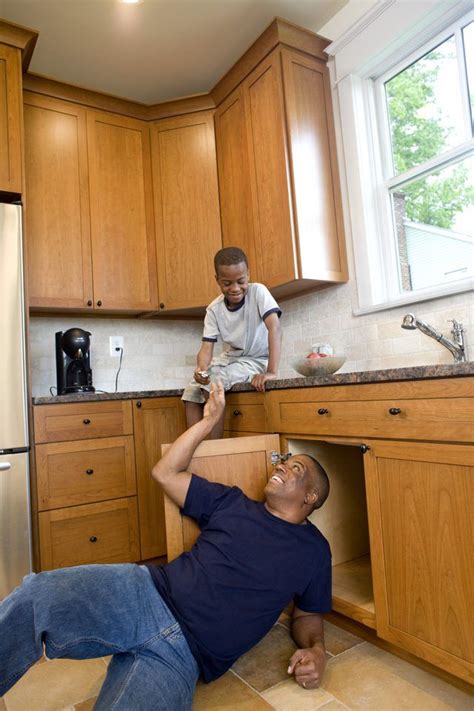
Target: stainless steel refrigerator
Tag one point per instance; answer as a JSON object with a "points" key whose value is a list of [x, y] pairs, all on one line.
{"points": [[15, 540]]}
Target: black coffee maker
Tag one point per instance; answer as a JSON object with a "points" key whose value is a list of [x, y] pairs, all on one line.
{"points": [[73, 364]]}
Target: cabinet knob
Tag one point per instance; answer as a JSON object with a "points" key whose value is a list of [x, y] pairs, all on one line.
{"points": [[99, 303], [86, 421], [237, 412], [93, 539], [323, 411], [89, 471], [89, 303], [139, 404], [394, 411], [162, 306]]}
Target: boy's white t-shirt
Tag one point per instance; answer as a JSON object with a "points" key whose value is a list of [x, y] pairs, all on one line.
{"points": [[242, 329]]}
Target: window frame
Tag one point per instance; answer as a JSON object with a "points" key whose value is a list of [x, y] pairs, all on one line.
{"points": [[363, 135]]}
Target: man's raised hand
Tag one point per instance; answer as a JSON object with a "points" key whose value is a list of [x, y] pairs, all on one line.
{"points": [[215, 404]]}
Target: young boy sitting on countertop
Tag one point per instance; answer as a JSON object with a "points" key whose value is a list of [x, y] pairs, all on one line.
{"points": [[246, 317]]}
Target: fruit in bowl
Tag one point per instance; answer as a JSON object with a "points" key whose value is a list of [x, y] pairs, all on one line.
{"points": [[314, 364]]}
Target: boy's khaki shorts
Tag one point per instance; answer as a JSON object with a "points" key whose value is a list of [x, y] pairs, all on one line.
{"points": [[236, 371]]}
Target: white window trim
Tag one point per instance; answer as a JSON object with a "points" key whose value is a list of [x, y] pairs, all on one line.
{"points": [[367, 204]]}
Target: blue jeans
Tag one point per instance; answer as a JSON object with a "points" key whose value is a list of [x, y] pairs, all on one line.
{"points": [[98, 610]]}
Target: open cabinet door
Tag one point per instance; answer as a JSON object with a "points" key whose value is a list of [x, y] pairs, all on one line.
{"points": [[244, 462]]}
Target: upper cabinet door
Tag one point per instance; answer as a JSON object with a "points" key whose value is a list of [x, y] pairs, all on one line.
{"points": [[122, 229], [234, 165], [188, 230], [57, 204], [10, 119], [314, 171], [273, 218]]}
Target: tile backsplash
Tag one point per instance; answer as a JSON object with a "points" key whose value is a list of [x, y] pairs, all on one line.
{"points": [[161, 354]]}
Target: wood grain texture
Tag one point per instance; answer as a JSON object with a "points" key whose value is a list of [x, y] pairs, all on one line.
{"points": [[57, 203], [122, 224], [18, 37], [186, 196], [11, 142], [65, 534], [156, 422], [420, 503], [315, 177], [235, 182], [74, 421], [71, 473], [279, 31], [245, 412], [244, 462], [275, 236]]}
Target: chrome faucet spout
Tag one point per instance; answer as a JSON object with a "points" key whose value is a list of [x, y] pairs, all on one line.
{"points": [[457, 346]]}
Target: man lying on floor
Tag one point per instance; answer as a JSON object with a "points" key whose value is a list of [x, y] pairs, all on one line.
{"points": [[167, 625]]}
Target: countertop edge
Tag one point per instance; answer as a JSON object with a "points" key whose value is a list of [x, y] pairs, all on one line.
{"points": [[420, 372]]}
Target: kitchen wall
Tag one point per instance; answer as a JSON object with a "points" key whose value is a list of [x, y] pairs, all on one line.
{"points": [[161, 354]]}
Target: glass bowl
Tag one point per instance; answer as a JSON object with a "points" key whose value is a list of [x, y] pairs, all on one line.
{"points": [[311, 367]]}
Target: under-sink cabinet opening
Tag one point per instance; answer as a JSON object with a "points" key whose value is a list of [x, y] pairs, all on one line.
{"points": [[343, 521]]}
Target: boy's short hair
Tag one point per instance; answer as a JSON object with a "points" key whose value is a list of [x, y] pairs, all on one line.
{"points": [[229, 255]]}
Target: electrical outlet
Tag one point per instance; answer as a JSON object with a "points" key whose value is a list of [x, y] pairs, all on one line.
{"points": [[116, 342]]}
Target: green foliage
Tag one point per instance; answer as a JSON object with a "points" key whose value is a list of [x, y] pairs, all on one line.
{"points": [[416, 138]]}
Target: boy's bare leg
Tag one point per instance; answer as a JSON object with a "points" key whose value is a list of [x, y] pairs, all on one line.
{"points": [[193, 412]]}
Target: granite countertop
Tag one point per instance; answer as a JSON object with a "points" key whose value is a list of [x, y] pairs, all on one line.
{"points": [[419, 372]]}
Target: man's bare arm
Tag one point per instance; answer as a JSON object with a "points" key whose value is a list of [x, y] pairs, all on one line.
{"points": [[170, 472], [309, 661]]}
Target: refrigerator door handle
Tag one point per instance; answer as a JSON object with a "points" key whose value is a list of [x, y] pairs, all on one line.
{"points": [[5, 466]]}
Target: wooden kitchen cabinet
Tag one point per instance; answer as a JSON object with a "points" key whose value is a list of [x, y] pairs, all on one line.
{"points": [[85, 488], [186, 198], [57, 204], [10, 120], [122, 229], [420, 504], [244, 414], [276, 147], [157, 421], [89, 212], [403, 559]]}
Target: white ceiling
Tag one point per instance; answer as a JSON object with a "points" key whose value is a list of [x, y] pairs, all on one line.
{"points": [[154, 51]]}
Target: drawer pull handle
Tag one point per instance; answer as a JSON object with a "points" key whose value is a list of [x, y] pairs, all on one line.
{"points": [[93, 539], [394, 411], [86, 421], [237, 412], [323, 411], [89, 471], [89, 303], [99, 303], [139, 404]]}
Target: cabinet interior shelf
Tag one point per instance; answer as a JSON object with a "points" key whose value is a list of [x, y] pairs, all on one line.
{"points": [[352, 590]]}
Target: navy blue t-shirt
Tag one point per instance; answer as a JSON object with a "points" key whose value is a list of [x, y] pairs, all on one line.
{"points": [[246, 566]]}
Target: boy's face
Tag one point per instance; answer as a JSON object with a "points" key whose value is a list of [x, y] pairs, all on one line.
{"points": [[233, 280]]}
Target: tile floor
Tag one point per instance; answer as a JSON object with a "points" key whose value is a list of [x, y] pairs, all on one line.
{"points": [[358, 676]]}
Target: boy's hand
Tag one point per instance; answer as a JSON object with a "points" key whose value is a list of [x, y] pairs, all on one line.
{"points": [[258, 381], [214, 407], [201, 376]]}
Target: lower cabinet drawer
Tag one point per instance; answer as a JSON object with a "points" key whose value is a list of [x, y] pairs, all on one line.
{"points": [[87, 471], [95, 533], [83, 420], [245, 412]]}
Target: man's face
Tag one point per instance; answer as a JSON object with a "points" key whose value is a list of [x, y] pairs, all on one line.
{"points": [[233, 280], [292, 480]]}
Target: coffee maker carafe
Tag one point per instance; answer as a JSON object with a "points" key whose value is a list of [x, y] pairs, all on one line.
{"points": [[73, 367]]}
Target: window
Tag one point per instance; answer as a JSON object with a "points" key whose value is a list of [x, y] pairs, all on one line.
{"points": [[407, 126], [425, 109]]}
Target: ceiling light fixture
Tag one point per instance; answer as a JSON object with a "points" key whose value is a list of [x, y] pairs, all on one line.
{"points": [[131, 2]]}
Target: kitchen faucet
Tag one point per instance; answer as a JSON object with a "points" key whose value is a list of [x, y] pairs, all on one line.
{"points": [[457, 346]]}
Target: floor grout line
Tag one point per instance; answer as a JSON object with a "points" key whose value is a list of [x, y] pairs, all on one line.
{"points": [[259, 693]]}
